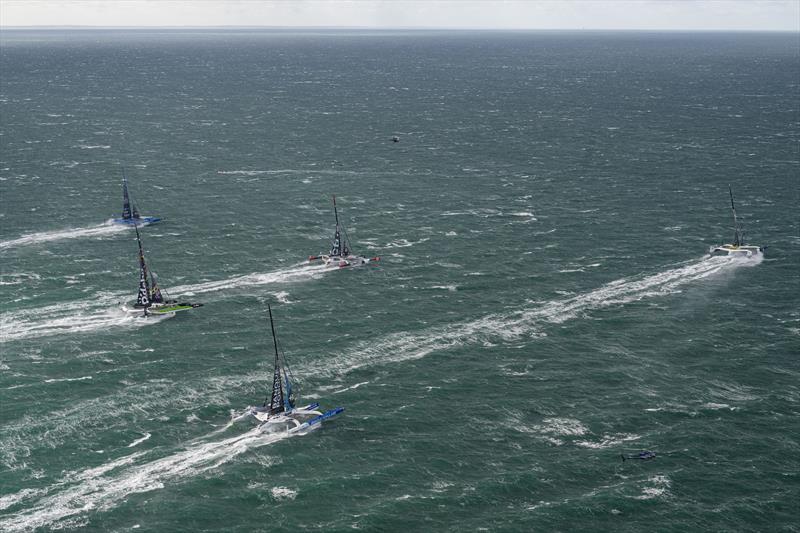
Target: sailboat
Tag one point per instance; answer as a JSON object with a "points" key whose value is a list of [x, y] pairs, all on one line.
{"points": [[738, 247], [150, 299], [341, 255], [279, 409], [130, 215]]}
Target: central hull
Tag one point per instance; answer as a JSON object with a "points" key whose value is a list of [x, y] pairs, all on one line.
{"points": [[730, 250]]}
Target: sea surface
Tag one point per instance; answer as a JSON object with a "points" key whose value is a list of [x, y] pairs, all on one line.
{"points": [[543, 302]]}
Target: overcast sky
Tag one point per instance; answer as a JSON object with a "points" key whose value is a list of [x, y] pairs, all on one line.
{"points": [[753, 15]]}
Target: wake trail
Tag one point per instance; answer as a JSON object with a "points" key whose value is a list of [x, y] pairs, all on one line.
{"points": [[102, 488], [403, 346], [103, 310], [100, 230], [73, 317], [293, 273]]}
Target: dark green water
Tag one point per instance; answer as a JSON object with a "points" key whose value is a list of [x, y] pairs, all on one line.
{"points": [[543, 302]]}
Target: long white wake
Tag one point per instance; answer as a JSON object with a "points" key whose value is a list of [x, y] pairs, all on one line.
{"points": [[100, 230], [103, 310], [102, 488], [403, 346]]}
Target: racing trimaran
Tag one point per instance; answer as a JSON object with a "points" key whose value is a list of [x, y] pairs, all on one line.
{"points": [[130, 215], [341, 255], [279, 409], [738, 247], [150, 299]]}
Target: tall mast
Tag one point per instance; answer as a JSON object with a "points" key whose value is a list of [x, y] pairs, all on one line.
{"points": [[143, 299], [276, 396], [737, 240], [335, 212]]}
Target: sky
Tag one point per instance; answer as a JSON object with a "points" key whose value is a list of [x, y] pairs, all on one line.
{"points": [[748, 15]]}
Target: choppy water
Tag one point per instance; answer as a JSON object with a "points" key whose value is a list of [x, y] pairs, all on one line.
{"points": [[543, 302]]}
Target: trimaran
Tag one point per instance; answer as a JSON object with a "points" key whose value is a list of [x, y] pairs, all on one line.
{"points": [[738, 247], [151, 299], [279, 410], [130, 215], [341, 255]]}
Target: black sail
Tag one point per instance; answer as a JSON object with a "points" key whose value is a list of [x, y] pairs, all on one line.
{"points": [[128, 208], [143, 298]]}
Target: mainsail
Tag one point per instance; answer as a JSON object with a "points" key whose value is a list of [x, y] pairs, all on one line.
{"points": [[340, 247], [281, 399], [143, 299], [129, 210], [738, 239]]}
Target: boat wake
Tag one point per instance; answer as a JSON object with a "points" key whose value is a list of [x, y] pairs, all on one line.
{"points": [[75, 317], [102, 488], [104, 309], [532, 321], [294, 273], [65, 503], [100, 230]]}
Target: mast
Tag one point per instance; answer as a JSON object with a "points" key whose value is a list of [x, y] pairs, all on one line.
{"points": [[336, 247], [339, 247], [276, 404], [143, 298], [738, 239], [128, 209]]}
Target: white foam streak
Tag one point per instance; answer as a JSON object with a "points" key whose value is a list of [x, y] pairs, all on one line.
{"points": [[100, 230], [74, 317], [102, 488], [405, 346], [293, 273], [103, 311]]}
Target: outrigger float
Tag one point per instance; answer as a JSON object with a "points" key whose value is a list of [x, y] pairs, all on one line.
{"points": [[279, 410], [341, 255], [151, 299], [130, 215], [738, 248]]}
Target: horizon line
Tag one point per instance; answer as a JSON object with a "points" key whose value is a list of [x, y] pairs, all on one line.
{"points": [[391, 28]]}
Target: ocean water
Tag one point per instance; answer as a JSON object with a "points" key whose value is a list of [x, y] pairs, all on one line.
{"points": [[543, 302]]}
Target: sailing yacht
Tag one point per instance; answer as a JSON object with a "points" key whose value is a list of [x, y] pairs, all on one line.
{"points": [[130, 215], [341, 255], [150, 299], [738, 248], [279, 410]]}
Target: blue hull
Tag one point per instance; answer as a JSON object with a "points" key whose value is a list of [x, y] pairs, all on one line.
{"points": [[141, 221]]}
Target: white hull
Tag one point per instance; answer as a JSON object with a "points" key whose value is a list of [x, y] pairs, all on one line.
{"points": [[349, 261], [731, 250]]}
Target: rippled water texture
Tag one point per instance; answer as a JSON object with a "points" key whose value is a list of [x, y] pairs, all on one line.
{"points": [[543, 302]]}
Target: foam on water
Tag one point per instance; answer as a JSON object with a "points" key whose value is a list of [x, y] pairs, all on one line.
{"points": [[100, 230], [103, 488], [103, 311], [403, 346]]}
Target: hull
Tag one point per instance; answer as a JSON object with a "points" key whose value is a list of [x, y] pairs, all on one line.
{"points": [[141, 221], [161, 309], [730, 250], [349, 261]]}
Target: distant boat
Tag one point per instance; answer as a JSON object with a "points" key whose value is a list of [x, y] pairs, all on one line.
{"points": [[279, 409], [396, 139], [341, 255], [151, 300], [130, 215], [738, 247]]}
